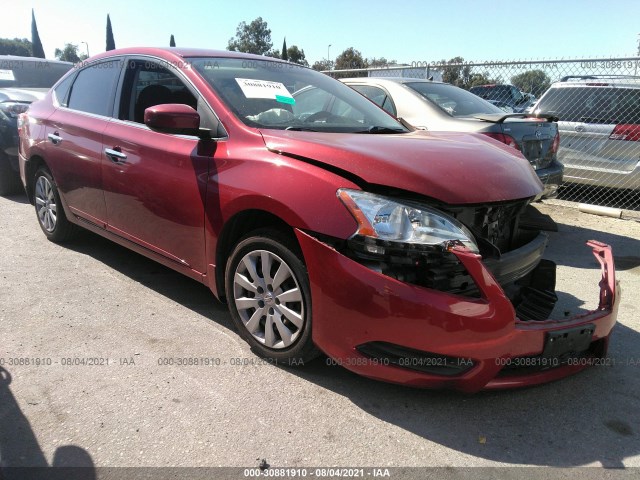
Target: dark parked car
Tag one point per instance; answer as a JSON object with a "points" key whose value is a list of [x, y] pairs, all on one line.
{"points": [[444, 107], [406, 256], [22, 80], [507, 94]]}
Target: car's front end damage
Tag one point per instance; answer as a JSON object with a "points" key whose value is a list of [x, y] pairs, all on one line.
{"points": [[396, 331], [437, 288]]}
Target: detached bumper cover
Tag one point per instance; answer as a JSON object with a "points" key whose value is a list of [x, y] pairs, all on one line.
{"points": [[355, 306]]}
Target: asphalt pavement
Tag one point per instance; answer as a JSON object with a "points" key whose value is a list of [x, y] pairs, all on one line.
{"points": [[96, 342]]}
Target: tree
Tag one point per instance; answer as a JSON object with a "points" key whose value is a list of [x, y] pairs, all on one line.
{"points": [[284, 50], [533, 81], [172, 41], [111, 43], [457, 73], [349, 59], [296, 55], [20, 47], [36, 48], [320, 65], [252, 38], [70, 53], [380, 62]]}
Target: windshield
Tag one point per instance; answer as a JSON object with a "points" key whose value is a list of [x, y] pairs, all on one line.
{"points": [[17, 73], [453, 100], [285, 96]]}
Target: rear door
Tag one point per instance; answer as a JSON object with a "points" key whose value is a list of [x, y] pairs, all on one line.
{"points": [[588, 117], [74, 138], [155, 183]]}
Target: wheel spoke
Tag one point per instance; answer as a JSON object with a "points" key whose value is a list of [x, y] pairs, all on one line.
{"points": [[253, 324], [292, 316], [281, 275], [250, 263], [39, 201], [244, 303], [269, 337], [265, 257], [244, 282], [284, 332], [292, 295]]}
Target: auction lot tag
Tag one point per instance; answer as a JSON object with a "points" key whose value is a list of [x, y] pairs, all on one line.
{"points": [[8, 75], [265, 89]]}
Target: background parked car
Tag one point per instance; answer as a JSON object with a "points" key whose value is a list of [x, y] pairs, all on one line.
{"points": [[441, 106], [599, 129], [22, 81], [508, 94]]}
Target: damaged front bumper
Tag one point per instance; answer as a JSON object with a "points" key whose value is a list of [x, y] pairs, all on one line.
{"points": [[389, 330]]}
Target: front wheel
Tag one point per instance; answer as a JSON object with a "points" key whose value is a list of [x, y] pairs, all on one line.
{"points": [[267, 288], [51, 217]]}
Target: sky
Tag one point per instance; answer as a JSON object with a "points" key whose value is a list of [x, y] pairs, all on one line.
{"points": [[407, 31]]}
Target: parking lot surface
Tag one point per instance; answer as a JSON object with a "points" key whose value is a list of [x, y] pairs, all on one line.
{"points": [[114, 360]]}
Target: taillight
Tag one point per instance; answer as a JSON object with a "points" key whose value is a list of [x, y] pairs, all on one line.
{"points": [[625, 131], [501, 137], [556, 143]]}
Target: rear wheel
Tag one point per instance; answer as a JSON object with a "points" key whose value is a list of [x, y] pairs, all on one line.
{"points": [[51, 217], [267, 288]]}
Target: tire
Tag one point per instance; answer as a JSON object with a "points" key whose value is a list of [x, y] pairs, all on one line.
{"points": [[49, 210], [9, 179], [271, 312]]}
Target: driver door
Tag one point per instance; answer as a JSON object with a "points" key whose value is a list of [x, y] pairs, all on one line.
{"points": [[155, 183]]}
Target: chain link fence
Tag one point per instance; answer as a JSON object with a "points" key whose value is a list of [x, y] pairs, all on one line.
{"points": [[596, 101]]}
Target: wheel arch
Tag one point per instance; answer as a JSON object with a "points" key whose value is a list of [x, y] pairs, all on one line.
{"points": [[235, 228]]}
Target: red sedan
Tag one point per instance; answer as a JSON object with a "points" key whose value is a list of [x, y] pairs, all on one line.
{"points": [[326, 224]]}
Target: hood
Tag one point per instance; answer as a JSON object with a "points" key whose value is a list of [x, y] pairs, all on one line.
{"points": [[22, 94], [455, 168]]}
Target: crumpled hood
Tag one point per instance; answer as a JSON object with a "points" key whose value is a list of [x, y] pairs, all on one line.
{"points": [[455, 168], [22, 94]]}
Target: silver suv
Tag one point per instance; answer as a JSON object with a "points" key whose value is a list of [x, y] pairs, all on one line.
{"points": [[599, 121]]}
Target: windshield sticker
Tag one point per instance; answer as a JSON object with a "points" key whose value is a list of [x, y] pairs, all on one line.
{"points": [[8, 75], [265, 89]]}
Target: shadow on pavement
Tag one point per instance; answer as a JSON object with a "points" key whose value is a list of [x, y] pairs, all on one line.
{"points": [[21, 457]]}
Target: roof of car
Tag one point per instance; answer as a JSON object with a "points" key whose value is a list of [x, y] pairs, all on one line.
{"points": [[633, 82], [182, 53]]}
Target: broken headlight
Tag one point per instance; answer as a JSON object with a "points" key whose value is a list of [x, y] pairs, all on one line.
{"points": [[401, 222]]}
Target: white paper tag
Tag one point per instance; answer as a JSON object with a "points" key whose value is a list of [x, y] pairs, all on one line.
{"points": [[265, 89], [7, 75]]}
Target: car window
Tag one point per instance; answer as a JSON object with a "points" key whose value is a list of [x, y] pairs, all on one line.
{"points": [[453, 100], [147, 84], [272, 94], [378, 96], [62, 90], [27, 73], [601, 105], [93, 88]]}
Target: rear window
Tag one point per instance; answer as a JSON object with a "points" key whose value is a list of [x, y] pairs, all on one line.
{"points": [[17, 73], [453, 100], [604, 105]]}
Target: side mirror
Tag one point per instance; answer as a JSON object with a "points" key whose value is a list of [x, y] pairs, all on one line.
{"points": [[174, 118]]}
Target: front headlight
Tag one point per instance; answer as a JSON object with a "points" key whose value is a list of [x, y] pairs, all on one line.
{"points": [[383, 218]]}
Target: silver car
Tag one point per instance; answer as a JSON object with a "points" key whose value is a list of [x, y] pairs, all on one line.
{"points": [[599, 129], [442, 106]]}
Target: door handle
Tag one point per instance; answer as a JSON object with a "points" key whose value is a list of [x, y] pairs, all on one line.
{"points": [[55, 138], [115, 155]]}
